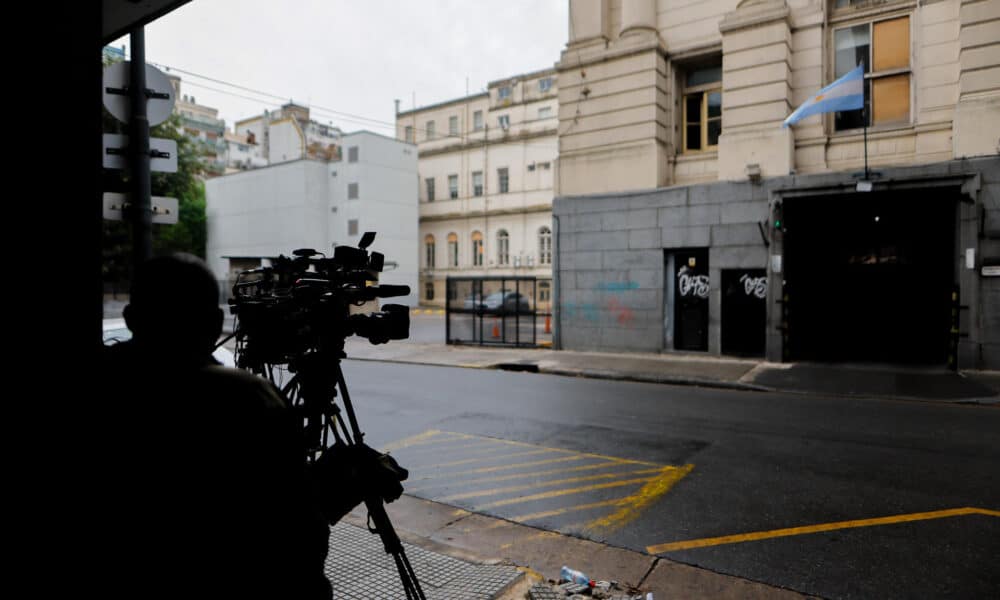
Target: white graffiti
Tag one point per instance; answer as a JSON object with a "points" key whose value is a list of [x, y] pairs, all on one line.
{"points": [[756, 286], [692, 285]]}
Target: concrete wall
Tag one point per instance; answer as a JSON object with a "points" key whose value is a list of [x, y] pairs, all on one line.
{"points": [[266, 212], [304, 204], [612, 247]]}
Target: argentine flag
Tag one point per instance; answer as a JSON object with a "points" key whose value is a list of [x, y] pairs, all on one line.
{"points": [[847, 93]]}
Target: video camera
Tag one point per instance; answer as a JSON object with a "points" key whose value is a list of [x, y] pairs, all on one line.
{"points": [[303, 303]]}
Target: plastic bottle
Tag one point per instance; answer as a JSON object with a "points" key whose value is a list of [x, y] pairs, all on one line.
{"points": [[575, 576]]}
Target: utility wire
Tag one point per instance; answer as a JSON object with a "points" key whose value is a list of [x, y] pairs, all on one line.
{"points": [[358, 119]]}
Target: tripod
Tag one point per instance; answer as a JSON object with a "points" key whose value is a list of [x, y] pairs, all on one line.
{"points": [[312, 390]]}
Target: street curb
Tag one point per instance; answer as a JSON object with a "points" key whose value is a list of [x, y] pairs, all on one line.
{"points": [[690, 381]]}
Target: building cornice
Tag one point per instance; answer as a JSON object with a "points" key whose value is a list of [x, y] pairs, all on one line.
{"points": [[752, 13], [496, 212], [478, 144], [584, 58], [445, 104]]}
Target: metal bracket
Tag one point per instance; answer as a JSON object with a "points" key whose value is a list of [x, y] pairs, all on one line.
{"points": [[126, 91]]}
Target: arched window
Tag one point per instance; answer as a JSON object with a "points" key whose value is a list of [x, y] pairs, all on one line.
{"points": [[429, 250], [477, 249], [503, 247], [545, 246], [453, 249]]}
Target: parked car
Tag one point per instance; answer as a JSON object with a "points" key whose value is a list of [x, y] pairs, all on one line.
{"points": [[116, 331], [502, 302]]}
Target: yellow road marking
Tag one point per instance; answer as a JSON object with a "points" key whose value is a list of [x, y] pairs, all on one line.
{"points": [[474, 444], [492, 456], [564, 451], [763, 535], [561, 511], [416, 440], [538, 484], [557, 493], [562, 470], [639, 501], [501, 468]]}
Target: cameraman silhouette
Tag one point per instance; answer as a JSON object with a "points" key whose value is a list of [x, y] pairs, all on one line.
{"points": [[212, 493]]}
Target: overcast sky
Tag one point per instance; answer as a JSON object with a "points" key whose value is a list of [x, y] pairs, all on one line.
{"points": [[351, 56]]}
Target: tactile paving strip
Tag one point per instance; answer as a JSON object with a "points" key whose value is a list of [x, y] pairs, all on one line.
{"points": [[360, 569]]}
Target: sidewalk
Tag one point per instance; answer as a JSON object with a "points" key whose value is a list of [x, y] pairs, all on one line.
{"points": [[459, 554], [863, 381]]}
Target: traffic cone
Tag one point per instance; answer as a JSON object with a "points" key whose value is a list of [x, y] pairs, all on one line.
{"points": [[548, 324], [496, 328]]}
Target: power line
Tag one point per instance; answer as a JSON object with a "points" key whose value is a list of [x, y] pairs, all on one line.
{"points": [[351, 118]]}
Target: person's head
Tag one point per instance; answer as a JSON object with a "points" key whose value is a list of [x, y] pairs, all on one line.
{"points": [[174, 305]]}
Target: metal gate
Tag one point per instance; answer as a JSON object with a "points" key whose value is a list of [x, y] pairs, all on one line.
{"points": [[498, 311]]}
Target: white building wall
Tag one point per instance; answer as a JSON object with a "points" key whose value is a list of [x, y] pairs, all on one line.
{"points": [[285, 141], [266, 212], [386, 176]]}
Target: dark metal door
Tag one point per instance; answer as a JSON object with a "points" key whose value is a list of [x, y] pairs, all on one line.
{"points": [[744, 311], [691, 300]]}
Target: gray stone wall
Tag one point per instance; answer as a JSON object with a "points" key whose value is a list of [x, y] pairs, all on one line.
{"points": [[611, 251], [612, 258]]}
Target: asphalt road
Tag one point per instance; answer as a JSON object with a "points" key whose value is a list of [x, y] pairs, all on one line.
{"points": [[834, 497]]}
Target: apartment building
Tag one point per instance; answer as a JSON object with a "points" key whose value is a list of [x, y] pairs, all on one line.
{"points": [[485, 173], [289, 133], [202, 125], [688, 219], [257, 214]]}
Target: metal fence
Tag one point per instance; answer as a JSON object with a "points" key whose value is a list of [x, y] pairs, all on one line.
{"points": [[498, 311]]}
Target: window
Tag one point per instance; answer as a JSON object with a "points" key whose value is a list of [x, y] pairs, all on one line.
{"points": [[477, 183], [430, 190], [883, 47], [352, 154], [503, 247], [352, 192], [504, 93], [429, 251], [452, 249], [477, 249], [430, 130], [545, 112], [545, 246], [545, 84], [477, 120], [452, 125], [453, 186], [702, 109], [503, 121], [503, 179], [429, 290], [352, 227], [544, 291], [409, 134]]}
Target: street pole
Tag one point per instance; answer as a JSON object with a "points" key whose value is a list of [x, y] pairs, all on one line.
{"points": [[142, 212]]}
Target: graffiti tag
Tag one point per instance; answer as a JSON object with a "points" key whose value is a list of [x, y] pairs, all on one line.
{"points": [[692, 285], [756, 286]]}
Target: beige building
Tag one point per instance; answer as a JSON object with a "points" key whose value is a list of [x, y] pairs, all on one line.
{"points": [[486, 171], [688, 219]]}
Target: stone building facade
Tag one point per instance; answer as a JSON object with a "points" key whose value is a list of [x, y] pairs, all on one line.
{"points": [[688, 219]]}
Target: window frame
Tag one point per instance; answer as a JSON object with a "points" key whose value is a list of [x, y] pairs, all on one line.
{"points": [[704, 90], [503, 248], [453, 190], [453, 250], [503, 180], [544, 245], [429, 185], [544, 84], [352, 154], [453, 125], [503, 122], [480, 189], [430, 130], [429, 251], [871, 75], [477, 248], [353, 190], [477, 120]]}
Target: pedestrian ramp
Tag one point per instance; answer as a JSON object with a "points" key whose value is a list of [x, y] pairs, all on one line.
{"points": [[558, 489]]}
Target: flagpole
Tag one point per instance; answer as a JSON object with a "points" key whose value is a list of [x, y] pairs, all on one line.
{"points": [[864, 119]]}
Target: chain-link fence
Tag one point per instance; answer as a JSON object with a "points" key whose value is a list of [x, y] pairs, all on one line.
{"points": [[498, 311]]}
